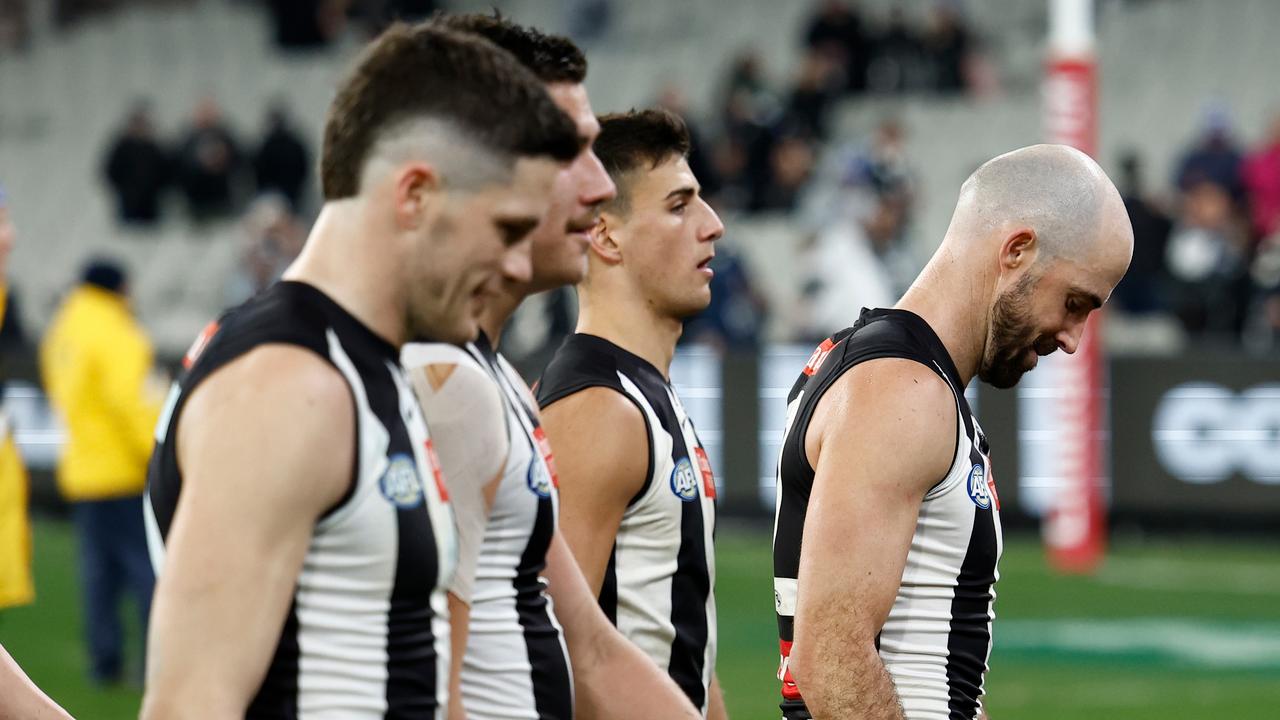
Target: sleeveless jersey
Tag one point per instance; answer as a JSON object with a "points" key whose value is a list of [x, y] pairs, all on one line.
{"points": [[659, 585], [516, 664], [367, 635], [936, 640]]}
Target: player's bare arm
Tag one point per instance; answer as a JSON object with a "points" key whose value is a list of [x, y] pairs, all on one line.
{"points": [[879, 440], [602, 458], [602, 656], [251, 496], [715, 705], [465, 412], [20, 699]]}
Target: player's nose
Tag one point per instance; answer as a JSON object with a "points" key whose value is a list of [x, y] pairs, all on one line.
{"points": [[597, 186], [713, 228], [1069, 339]]}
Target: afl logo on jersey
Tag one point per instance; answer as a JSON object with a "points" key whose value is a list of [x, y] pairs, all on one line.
{"points": [[979, 493], [539, 477], [400, 483], [684, 483]]}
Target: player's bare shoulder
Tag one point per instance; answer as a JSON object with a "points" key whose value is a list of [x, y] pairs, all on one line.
{"points": [[278, 400], [893, 412], [599, 423]]}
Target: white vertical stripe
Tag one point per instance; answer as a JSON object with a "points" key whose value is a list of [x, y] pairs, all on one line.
{"points": [[155, 543], [497, 678], [372, 437], [166, 413], [647, 545], [344, 590], [915, 636], [342, 609]]}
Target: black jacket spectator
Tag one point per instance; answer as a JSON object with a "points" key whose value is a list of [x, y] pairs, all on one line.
{"points": [[1144, 287], [946, 48], [208, 164], [138, 170], [282, 163], [836, 30]]}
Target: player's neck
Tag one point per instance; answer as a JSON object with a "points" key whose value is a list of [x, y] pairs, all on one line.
{"points": [[945, 296], [630, 324], [329, 261]]}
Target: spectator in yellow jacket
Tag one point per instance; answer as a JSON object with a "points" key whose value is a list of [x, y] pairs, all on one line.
{"points": [[95, 360], [16, 587]]}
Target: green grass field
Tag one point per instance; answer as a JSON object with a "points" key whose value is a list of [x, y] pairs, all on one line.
{"points": [[1167, 631]]}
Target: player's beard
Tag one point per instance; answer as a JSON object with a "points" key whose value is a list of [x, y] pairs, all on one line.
{"points": [[1013, 337]]}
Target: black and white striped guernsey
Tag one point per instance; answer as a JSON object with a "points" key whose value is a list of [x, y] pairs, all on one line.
{"points": [[516, 664], [367, 635], [659, 587], [936, 640]]}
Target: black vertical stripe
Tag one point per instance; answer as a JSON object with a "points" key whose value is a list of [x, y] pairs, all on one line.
{"points": [[552, 688], [970, 638], [691, 584], [278, 696], [690, 588], [552, 685], [411, 641], [609, 588]]}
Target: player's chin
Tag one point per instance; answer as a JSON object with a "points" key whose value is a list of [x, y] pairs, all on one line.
{"points": [[696, 302]]}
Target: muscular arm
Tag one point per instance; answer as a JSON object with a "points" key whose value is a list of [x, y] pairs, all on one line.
{"points": [[601, 655], [879, 440], [602, 457], [467, 419], [20, 699], [266, 445]]}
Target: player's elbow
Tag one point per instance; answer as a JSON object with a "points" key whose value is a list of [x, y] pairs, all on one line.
{"points": [[822, 655], [801, 663]]}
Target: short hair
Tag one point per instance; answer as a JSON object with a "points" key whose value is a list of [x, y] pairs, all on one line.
{"points": [[638, 139], [553, 58], [457, 83]]}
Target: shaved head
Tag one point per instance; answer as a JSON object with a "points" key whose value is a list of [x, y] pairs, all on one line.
{"points": [[1048, 232], [1057, 191]]}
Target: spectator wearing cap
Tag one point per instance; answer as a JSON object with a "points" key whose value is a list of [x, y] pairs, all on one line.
{"points": [[94, 361]]}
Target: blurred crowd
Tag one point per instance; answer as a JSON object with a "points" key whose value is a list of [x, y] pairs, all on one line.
{"points": [[764, 149], [1208, 244], [1209, 255], [265, 186], [297, 24], [212, 170]]}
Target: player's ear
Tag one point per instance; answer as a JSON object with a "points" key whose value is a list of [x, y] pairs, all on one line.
{"points": [[1019, 249], [604, 239], [417, 189]]}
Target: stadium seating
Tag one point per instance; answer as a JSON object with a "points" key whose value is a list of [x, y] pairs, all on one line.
{"points": [[66, 96]]}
